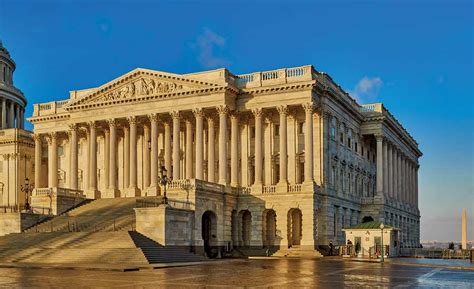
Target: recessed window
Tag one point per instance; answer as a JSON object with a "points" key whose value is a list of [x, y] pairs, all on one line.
{"points": [[252, 132], [277, 129], [301, 127], [60, 151], [341, 138], [356, 147]]}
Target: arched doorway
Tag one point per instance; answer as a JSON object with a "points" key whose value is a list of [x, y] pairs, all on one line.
{"points": [[294, 227], [367, 219], [209, 233], [246, 219], [270, 228]]}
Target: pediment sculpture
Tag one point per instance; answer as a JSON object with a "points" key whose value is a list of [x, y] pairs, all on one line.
{"points": [[141, 87]]}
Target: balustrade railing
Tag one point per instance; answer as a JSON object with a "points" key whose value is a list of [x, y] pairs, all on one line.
{"points": [[294, 188], [275, 76], [59, 192], [269, 189]]}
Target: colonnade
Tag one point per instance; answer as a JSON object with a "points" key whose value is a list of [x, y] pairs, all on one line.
{"points": [[12, 114], [397, 174], [193, 156]]}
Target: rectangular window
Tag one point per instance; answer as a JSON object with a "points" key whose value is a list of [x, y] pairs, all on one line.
{"points": [[349, 142], [356, 148], [301, 127], [341, 138], [252, 132], [333, 133], [277, 129]]}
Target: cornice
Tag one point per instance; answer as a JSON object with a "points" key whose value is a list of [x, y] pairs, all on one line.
{"points": [[195, 92]]}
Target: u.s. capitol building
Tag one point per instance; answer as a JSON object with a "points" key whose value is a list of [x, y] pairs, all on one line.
{"points": [[276, 158]]}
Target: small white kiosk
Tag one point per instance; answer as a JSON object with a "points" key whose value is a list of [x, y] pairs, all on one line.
{"points": [[365, 240]]}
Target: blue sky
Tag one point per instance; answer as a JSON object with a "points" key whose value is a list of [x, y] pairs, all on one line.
{"points": [[416, 58]]}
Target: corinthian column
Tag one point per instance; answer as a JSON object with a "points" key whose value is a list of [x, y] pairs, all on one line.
{"points": [[73, 165], [189, 149], [223, 110], [133, 188], [126, 157], [52, 160], [176, 145], [154, 154], [211, 161], [106, 157], [167, 146], [379, 174], [257, 112], [113, 157], [4, 113], [308, 143], [198, 114], [385, 168], [283, 110], [93, 157], [234, 152], [146, 156], [38, 156]]}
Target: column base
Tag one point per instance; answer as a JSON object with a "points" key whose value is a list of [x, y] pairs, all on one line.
{"points": [[152, 191], [92, 194], [110, 193], [131, 192], [282, 186], [257, 188]]}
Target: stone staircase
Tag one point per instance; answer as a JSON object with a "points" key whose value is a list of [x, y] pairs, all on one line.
{"points": [[71, 248], [98, 215], [157, 253], [297, 252], [98, 232]]}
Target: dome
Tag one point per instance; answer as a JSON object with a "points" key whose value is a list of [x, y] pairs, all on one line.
{"points": [[12, 100]]}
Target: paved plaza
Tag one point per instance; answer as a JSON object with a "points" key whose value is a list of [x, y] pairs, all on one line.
{"points": [[275, 273]]}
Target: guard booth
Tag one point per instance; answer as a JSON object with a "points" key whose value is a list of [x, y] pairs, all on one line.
{"points": [[365, 240]]}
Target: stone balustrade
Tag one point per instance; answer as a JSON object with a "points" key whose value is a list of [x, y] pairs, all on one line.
{"points": [[49, 108], [279, 76]]}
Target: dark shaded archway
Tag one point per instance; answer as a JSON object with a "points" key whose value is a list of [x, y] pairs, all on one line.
{"points": [[294, 227], [269, 232], [246, 221], [367, 219], [209, 233]]}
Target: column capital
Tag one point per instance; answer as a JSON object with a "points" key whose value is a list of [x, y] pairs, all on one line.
{"points": [[132, 120], [222, 109], [51, 136], [37, 137], [257, 112], [73, 126], [175, 114], [112, 122], [379, 137], [210, 119], [234, 115], [153, 117], [282, 109], [198, 112], [309, 107]]}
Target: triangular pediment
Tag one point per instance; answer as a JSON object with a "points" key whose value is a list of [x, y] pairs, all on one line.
{"points": [[140, 83]]}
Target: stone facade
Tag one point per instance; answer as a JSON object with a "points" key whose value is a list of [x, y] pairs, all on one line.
{"points": [[16, 144], [278, 158]]}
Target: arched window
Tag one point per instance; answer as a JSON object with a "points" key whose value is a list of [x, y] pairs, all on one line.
{"points": [[349, 139], [333, 128]]}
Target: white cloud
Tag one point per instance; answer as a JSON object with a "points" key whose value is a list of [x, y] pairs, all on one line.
{"points": [[210, 47], [367, 89]]}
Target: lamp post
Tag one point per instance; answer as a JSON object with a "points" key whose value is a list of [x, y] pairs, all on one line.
{"points": [[163, 180], [381, 229], [27, 188]]}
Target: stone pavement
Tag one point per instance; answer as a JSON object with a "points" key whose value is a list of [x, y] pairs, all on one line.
{"points": [[289, 273]]}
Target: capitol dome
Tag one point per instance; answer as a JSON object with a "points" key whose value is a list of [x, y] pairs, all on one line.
{"points": [[12, 100]]}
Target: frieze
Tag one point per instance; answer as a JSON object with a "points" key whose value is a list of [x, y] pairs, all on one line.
{"points": [[141, 87]]}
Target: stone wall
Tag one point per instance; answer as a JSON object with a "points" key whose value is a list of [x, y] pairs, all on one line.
{"points": [[166, 225], [17, 222]]}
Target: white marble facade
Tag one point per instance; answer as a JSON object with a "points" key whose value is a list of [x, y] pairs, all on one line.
{"points": [[297, 150]]}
